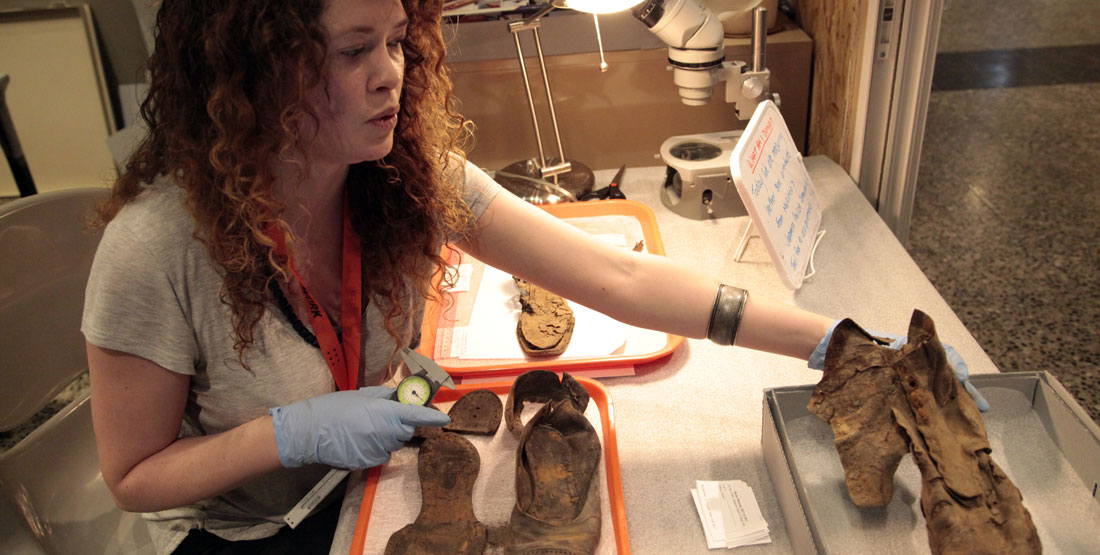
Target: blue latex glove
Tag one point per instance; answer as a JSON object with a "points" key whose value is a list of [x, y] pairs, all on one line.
{"points": [[348, 429], [817, 360]]}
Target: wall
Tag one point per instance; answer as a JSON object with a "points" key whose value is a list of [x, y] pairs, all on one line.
{"points": [[57, 99], [838, 28], [120, 38], [607, 119]]}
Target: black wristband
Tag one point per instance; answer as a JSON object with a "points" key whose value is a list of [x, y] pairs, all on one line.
{"points": [[725, 316]]}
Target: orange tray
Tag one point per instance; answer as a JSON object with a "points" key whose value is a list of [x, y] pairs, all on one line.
{"points": [[435, 311], [598, 395]]}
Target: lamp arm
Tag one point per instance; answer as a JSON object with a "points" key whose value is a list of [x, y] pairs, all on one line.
{"points": [[535, 17]]}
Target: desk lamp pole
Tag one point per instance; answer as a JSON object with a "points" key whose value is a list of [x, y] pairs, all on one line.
{"points": [[9, 141], [533, 23], [575, 177]]}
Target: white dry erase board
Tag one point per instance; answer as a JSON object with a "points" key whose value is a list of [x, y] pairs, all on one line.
{"points": [[773, 184]]}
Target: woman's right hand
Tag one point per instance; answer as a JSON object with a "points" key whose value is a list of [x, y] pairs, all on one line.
{"points": [[348, 429]]}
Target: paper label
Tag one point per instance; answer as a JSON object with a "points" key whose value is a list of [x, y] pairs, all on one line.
{"points": [[730, 514], [462, 283]]}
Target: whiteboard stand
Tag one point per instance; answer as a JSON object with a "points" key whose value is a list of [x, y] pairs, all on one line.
{"points": [[775, 188], [750, 232]]}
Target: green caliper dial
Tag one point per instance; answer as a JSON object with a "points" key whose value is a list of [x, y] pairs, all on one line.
{"points": [[425, 379], [414, 390]]}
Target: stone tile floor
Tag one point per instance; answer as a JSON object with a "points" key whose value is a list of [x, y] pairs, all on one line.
{"points": [[1006, 221]]}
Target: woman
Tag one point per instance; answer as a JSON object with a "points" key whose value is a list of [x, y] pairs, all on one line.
{"points": [[227, 303]]}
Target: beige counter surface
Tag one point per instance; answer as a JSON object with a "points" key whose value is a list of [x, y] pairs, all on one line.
{"points": [[696, 415]]}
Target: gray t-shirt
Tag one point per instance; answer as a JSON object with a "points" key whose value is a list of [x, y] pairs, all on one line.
{"points": [[155, 293]]}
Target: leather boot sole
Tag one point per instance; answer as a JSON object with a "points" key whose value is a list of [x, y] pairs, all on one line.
{"points": [[545, 323], [447, 465]]}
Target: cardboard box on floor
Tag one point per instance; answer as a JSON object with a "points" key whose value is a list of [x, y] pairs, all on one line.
{"points": [[1057, 473]]}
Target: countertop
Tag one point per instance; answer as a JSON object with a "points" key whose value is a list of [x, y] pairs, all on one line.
{"points": [[715, 392]]}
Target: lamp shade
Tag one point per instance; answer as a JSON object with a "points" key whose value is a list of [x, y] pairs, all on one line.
{"points": [[597, 6]]}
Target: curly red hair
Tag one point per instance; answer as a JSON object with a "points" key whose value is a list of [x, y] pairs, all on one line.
{"points": [[229, 80]]}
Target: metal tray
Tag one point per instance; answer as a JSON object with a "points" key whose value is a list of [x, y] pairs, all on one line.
{"points": [[1040, 436]]}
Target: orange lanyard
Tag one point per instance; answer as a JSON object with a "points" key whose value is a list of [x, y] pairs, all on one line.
{"points": [[342, 360]]}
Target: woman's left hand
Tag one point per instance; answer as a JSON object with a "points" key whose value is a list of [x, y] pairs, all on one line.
{"points": [[348, 429]]}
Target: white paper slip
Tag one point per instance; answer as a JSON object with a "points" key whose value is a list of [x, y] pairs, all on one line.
{"points": [[706, 517], [462, 281], [730, 514]]}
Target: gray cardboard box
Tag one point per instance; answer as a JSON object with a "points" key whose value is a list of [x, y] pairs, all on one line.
{"points": [[1040, 436]]}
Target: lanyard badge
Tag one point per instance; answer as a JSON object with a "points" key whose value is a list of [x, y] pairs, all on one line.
{"points": [[341, 353]]}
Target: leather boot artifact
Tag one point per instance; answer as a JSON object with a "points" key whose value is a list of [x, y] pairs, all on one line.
{"points": [[540, 386], [855, 396], [557, 507], [545, 322], [447, 465], [872, 395], [969, 504]]}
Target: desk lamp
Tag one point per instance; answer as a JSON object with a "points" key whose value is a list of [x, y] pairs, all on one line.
{"points": [[570, 175], [698, 184]]}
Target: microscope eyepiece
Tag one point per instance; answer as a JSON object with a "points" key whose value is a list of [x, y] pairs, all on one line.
{"points": [[650, 12]]}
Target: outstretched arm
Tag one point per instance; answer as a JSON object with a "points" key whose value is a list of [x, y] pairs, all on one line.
{"points": [[640, 289]]}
